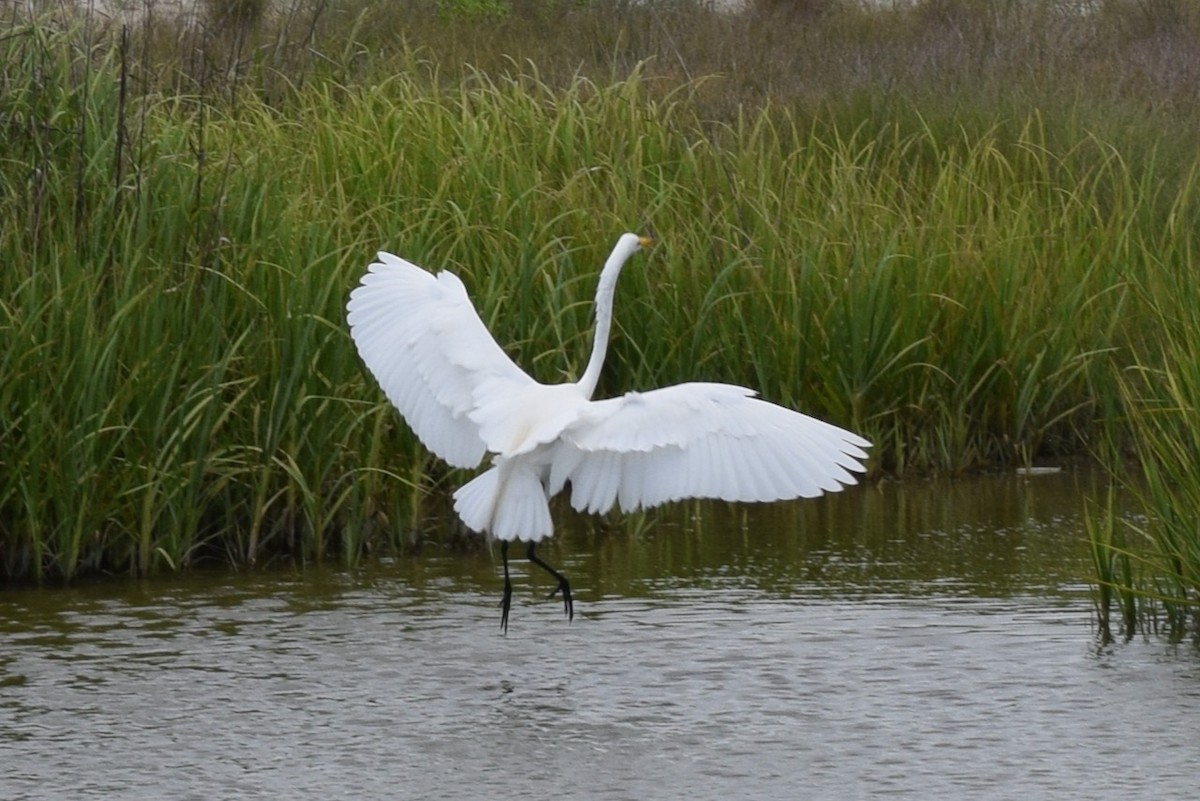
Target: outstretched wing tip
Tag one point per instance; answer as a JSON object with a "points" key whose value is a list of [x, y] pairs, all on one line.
{"points": [[702, 441]]}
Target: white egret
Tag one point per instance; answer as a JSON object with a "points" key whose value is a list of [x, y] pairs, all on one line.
{"points": [[422, 339]]}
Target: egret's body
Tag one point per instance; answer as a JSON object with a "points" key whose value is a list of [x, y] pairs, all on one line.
{"points": [[422, 339]]}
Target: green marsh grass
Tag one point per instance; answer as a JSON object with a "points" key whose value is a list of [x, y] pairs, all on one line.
{"points": [[960, 285], [1161, 393], [1114, 569]]}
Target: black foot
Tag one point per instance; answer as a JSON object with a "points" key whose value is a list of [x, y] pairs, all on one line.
{"points": [[564, 586], [568, 601], [506, 599], [505, 605]]}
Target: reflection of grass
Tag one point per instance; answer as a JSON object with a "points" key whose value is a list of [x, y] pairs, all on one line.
{"points": [[952, 268], [993, 536]]}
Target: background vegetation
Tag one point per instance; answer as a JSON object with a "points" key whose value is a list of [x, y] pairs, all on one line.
{"points": [[964, 228]]}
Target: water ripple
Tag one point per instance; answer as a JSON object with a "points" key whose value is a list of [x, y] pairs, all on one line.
{"points": [[937, 660]]}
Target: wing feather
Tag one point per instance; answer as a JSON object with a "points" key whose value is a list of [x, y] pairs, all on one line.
{"points": [[699, 440], [424, 342]]}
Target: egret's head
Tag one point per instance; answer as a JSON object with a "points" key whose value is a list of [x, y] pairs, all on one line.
{"points": [[626, 246], [632, 243]]}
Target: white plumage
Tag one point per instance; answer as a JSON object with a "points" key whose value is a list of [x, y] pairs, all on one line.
{"points": [[424, 342]]}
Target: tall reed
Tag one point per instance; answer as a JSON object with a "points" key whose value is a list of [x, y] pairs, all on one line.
{"points": [[1160, 389]]}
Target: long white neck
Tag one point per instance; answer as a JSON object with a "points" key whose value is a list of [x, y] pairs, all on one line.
{"points": [[627, 245]]}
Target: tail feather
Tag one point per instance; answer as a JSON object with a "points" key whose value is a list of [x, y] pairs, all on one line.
{"points": [[510, 504], [475, 501]]}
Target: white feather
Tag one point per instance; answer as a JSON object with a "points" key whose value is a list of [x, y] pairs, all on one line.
{"points": [[699, 440], [423, 341]]}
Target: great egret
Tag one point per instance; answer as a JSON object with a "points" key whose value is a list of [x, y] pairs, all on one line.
{"points": [[424, 342]]}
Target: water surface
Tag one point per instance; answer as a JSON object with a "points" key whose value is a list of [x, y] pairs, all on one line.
{"points": [[904, 640]]}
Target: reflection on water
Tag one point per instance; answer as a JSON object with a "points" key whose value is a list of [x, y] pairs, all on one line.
{"points": [[910, 640]]}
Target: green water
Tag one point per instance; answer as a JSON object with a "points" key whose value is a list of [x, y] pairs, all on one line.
{"points": [[906, 640]]}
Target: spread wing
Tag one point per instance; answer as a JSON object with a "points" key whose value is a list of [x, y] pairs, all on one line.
{"points": [[422, 339], [700, 440]]}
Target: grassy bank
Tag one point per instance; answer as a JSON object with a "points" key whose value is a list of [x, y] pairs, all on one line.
{"points": [[960, 265]]}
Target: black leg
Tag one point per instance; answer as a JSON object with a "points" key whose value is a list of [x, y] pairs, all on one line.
{"points": [[563, 584], [506, 601]]}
